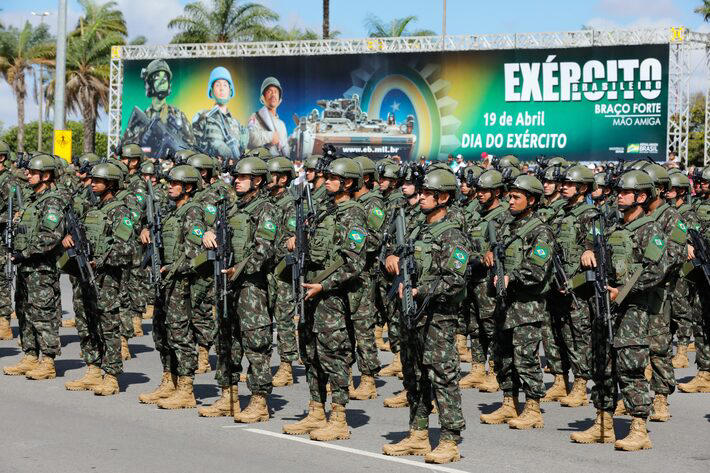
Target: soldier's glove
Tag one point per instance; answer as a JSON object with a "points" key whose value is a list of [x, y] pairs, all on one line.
{"points": [[17, 257]]}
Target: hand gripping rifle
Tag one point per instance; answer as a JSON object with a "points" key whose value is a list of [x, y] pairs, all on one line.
{"points": [[407, 270], [81, 251], [153, 253], [297, 259], [702, 253], [498, 266]]}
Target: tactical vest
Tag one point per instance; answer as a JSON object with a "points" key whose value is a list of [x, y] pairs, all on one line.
{"points": [[28, 229], [622, 249], [173, 236], [95, 223], [548, 212], [567, 238], [514, 250], [243, 228], [320, 245], [423, 248], [479, 233]]}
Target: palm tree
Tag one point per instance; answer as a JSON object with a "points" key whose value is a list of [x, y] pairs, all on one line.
{"points": [[704, 10], [326, 19], [19, 49], [279, 33], [223, 21], [105, 18], [398, 27]]}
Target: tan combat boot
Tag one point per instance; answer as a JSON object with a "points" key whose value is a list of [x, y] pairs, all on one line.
{"points": [[203, 360], [578, 396], [243, 377], [474, 378], [462, 349], [137, 326], [648, 372], [508, 410], [108, 386], [5, 329], [660, 409], [620, 409], [336, 428], [314, 420], [416, 443], [167, 386], [256, 411], [91, 378], [699, 384], [557, 391], [691, 345], [394, 368], [531, 418], [125, 352], [602, 431], [43, 370], [148, 314], [490, 384], [446, 452], [397, 401], [182, 398], [637, 439], [69, 323], [680, 360], [27, 363], [366, 389], [283, 376], [226, 405], [379, 341]]}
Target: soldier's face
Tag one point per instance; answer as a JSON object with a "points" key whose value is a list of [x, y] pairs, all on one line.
{"points": [[310, 175], [272, 97], [705, 186], [518, 201], [597, 193], [672, 193], [549, 187], [33, 177], [408, 189], [427, 200], [221, 89], [332, 183], [626, 198], [174, 190], [568, 189], [160, 81], [386, 183], [242, 183], [98, 185], [484, 195]]}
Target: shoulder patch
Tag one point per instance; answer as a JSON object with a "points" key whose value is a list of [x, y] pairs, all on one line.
{"points": [[540, 254], [654, 249], [210, 209], [139, 197], [291, 224], [683, 227], [458, 260], [376, 218], [356, 239], [267, 230], [124, 229]]}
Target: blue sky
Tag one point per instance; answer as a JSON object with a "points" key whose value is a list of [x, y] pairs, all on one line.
{"points": [[150, 17]]}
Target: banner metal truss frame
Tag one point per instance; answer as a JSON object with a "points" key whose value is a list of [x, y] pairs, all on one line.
{"points": [[682, 43]]}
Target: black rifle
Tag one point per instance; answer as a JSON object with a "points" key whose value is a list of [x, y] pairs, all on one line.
{"points": [[162, 139], [498, 266], [14, 195], [561, 279], [702, 253], [153, 252], [407, 270], [81, 251], [297, 259]]}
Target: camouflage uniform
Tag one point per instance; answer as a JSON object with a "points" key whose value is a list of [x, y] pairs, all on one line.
{"points": [[325, 345], [528, 244], [701, 330], [171, 116], [219, 134], [7, 186], [684, 299]]}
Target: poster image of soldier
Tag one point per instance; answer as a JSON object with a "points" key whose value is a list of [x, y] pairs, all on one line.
{"points": [[266, 129], [217, 132], [161, 129], [343, 124]]}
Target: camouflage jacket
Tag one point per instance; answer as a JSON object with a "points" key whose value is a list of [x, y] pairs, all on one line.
{"points": [[40, 230], [183, 229], [219, 134], [551, 213], [572, 232], [173, 117], [376, 219], [675, 231], [117, 247]]}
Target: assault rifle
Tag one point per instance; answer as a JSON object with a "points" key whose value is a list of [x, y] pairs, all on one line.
{"points": [[407, 270], [162, 139], [561, 278], [81, 251], [14, 195], [152, 254], [297, 259], [702, 253], [498, 265]]}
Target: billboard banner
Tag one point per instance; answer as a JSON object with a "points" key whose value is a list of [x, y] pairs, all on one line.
{"points": [[588, 104]]}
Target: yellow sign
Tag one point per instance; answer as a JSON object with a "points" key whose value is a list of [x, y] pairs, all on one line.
{"points": [[115, 52], [677, 34], [62, 144]]}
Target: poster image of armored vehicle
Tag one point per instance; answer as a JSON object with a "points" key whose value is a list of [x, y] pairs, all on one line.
{"points": [[343, 124]]}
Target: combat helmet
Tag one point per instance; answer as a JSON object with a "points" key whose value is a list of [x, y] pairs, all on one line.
{"points": [[554, 173], [346, 168], [148, 168], [579, 174], [118, 163], [635, 180], [107, 171], [268, 82], [441, 180], [529, 184], [281, 165], [600, 179], [155, 66], [491, 179], [509, 161], [5, 149], [680, 180], [182, 156], [131, 151], [202, 161], [556, 161], [42, 162], [85, 162], [368, 166], [186, 174], [312, 162], [509, 174], [389, 170], [658, 174], [220, 73]]}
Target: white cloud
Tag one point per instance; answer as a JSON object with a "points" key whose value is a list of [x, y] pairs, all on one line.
{"points": [[150, 18], [634, 8]]}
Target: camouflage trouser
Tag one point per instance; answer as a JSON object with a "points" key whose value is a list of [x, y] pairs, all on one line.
{"points": [[281, 296], [99, 326], [203, 321], [363, 325], [228, 345], [552, 341], [5, 295], [37, 300], [485, 320], [575, 328], [661, 355], [701, 333], [160, 334], [431, 367], [628, 362], [682, 310], [387, 313], [469, 326], [518, 364], [179, 327]]}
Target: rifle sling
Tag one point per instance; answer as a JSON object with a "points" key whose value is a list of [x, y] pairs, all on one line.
{"points": [[626, 289], [332, 267]]}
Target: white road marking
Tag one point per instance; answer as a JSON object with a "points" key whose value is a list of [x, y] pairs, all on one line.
{"points": [[237, 426], [364, 453]]}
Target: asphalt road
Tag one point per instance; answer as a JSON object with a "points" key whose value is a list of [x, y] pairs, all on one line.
{"points": [[46, 428]]}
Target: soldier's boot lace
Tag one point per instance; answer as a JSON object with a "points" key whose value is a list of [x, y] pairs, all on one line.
{"points": [[336, 428], [637, 439], [699, 384], [680, 360], [43, 370], [578, 396], [393, 369], [462, 349], [557, 391], [5, 329], [283, 376], [182, 398], [446, 452], [660, 409], [314, 420], [167, 386], [256, 411], [226, 405], [507, 411], [138, 326], [620, 409], [379, 341], [474, 378], [91, 378], [397, 401], [490, 384], [416, 443], [27, 363], [108, 386], [366, 389], [203, 360], [531, 418], [125, 352], [602, 431]]}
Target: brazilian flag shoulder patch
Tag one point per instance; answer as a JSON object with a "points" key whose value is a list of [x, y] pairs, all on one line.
{"points": [[682, 226], [679, 234], [139, 197], [654, 249], [267, 230], [458, 260], [127, 222], [125, 229], [375, 218], [356, 239], [540, 254], [291, 224], [210, 209]]}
